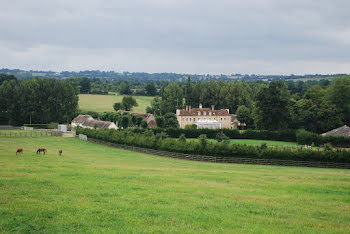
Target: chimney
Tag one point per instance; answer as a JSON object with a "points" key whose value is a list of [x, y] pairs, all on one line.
{"points": [[212, 107], [200, 106], [186, 107]]}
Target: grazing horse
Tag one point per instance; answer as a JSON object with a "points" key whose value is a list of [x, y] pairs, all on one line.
{"points": [[60, 152], [19, 151], [41, 150]]}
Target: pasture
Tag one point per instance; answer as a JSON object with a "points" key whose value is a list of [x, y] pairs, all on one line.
{"points": [[104, 103], [94, 188]]}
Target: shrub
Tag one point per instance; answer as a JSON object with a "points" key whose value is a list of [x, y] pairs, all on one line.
{"points": [[159, 141], [307, 138]]}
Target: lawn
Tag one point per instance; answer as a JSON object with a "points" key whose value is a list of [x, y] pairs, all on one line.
{"points": [[93, 189], [102, 103], [254, 142]]}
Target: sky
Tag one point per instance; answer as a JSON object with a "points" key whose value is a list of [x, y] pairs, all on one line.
{"points": [[182, 36]]}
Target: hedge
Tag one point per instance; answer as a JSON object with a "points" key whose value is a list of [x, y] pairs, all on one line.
{"points": [[308, 138], [158, 141], [283, 135]]}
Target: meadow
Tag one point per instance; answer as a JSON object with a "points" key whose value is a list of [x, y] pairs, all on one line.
{"points": [[104, 103], [94, 188]]}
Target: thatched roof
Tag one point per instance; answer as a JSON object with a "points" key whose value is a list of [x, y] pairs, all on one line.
{"points": [[342, 131], [88, 121]]}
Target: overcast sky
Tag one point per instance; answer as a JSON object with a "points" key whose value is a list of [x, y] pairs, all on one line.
{"points": [[183, 36]]}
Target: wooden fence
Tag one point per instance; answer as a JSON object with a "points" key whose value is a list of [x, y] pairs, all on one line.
{"points": [[205, 158], [29, 133]]}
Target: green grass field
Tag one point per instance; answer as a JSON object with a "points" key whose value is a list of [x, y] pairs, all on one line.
{"points": [[102, 103], [253, 142], [93, 188]]}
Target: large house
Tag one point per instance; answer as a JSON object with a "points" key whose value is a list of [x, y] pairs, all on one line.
{"points": [[206, 118], [151, 121], [86, 121]]}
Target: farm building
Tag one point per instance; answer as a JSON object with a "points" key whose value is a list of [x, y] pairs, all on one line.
{"points": [[342, 131], [151, 121], [86, 121]]}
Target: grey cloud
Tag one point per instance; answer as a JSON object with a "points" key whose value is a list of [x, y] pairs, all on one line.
{"points": [[224, 36]]}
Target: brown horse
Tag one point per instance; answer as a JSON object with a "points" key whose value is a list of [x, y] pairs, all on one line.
{"points": [[41, 150], [60, 152], [19, 151]]}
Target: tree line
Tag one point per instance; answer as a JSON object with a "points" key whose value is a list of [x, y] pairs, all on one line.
{"points": [[37, 101], [316, 106]]}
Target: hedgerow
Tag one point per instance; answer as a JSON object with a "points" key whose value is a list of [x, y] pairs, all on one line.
{"points": [[160, 141], [308, 138], [283, 135]]}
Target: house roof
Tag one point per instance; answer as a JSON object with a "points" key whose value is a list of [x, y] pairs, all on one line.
{"points": [[88, 121], [81, 118], [98, 123], [341, 131], [204, 112]]}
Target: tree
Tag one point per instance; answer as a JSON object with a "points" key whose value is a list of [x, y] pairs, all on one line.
{"points": [[210, 94], [38, 101], [203, 142], [117, 106], [182, 138], [190, 95], [271, 110], [7, 77], [144, 124], [172, 98], [125, 121], [151, 89], [304, 114], [244, 115], [160, 121], [170, 121], [128, 103], [124, 88], [234, 94], [338, 93], [85, 85], [155, 106], [328, 117]]}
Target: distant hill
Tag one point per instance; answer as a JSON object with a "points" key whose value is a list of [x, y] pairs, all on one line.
{"points": [[23, 74]]}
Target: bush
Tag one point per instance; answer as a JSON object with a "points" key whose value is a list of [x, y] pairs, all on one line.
{"points": [[307, 138], [160, 141], [310, 138]]}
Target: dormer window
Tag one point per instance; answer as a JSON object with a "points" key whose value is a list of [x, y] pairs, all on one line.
{"points": [[210, 113], [199, 113]]}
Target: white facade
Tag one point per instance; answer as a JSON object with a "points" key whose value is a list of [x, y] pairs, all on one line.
{"points": [[210, 124]]}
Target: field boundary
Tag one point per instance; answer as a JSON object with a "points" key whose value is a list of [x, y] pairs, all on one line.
{"points": [[29, 133], [205, 158]]}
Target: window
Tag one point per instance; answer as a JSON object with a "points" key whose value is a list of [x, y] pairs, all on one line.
{"points": [[190, 119], [224, 118], [194, 119], [186, 119], [221, 119]]}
